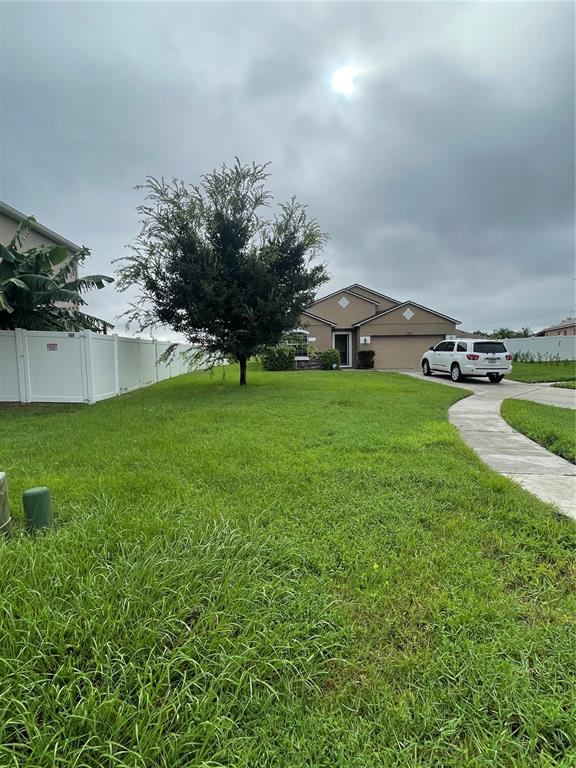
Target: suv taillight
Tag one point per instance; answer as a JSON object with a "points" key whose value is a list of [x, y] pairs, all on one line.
{"points": [[508, 357], [473, 357]]}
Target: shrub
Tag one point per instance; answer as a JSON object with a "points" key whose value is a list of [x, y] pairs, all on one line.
{"points": [[278, 359], [366, 358], [329, 357]]}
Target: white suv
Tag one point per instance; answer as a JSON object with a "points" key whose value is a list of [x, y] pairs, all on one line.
{"points": [[468, 357]]}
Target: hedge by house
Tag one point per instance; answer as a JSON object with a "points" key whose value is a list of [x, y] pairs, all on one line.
{"points": [[329, 357], [366, 358], [278, 358]]}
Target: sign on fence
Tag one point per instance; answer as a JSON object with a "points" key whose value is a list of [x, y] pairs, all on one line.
{"points": [[83, 367]]}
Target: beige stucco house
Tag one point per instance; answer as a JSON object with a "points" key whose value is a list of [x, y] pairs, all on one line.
{"points": [[565, 328], [357, 318], [39, 235]]}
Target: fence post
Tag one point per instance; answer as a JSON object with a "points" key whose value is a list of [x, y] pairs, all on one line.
{"points": [[139, 363], [116, 366], [86, 340], [22, 365], [5, 519]]}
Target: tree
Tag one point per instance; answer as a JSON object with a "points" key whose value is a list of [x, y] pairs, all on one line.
{"points": [[35, 283], [508, 333], [210, 267]]}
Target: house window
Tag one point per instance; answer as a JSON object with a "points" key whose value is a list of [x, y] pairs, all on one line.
{"points": [[299, 340]]}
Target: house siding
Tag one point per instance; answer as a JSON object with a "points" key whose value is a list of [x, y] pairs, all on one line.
{"points": [[383, 303], [422, 323], [357, 309], [320, 331], [396, 341], [8, 227], [569, 330]]}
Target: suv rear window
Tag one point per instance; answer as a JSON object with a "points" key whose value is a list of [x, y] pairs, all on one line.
{"points": [[489, 346]]}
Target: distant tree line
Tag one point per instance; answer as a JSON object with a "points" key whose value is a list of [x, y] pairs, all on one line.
{"points": [[506, 333]]}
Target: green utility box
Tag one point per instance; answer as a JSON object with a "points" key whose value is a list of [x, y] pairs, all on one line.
{"points": [[37, 509]]}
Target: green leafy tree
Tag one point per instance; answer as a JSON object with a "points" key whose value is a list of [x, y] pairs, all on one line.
{"points": [[39, 290], [209, 266], [508, 333]]}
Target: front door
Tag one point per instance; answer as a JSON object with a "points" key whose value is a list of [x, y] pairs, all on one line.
{"points": [[342, 344]]}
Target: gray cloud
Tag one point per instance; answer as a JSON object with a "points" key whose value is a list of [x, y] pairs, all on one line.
{"points": [[447, 178]]}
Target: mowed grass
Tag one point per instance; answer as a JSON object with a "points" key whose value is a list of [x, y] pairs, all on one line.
{"points": [[565, 385], [313, 571], [552, 427], [564, 370]]}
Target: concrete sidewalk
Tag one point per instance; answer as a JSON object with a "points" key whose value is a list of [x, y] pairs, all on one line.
{"points": [[478, 420]]}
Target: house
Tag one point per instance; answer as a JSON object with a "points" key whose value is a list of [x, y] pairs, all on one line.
{"points": [[357, 318], [39, 235], [565, 328]]}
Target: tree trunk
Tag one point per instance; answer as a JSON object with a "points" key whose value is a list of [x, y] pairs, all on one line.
{"points": [[242, 361]]}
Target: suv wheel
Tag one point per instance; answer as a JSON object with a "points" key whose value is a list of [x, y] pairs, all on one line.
{"points": [[495, 378], [455, 372], [426, 368]]}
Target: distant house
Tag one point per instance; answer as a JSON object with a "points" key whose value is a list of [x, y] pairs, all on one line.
{"points": [[565, 328], [40, 235], [357, 318]]}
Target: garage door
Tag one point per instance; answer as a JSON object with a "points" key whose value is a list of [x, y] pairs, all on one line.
{"points": [[401, 351]]}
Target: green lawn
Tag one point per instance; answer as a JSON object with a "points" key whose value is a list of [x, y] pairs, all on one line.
{"points": [[561, 371], [565, 385], [552, 427], [310, 572]]}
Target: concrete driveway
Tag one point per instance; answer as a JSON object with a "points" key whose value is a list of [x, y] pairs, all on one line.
{"points": [[478, 420]]}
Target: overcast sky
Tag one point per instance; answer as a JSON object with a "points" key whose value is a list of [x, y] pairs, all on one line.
{"points": [[446, 178]]}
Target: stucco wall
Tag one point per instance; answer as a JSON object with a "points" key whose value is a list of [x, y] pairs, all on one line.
{"points": [[568, 331], [356, 310], [320, 331], [35, 239], [383, 303], [422, 323], [8, 228]]}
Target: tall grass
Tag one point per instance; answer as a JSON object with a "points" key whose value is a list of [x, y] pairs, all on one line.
{"points": [[311, 571], [534, 371], [549, 425]]}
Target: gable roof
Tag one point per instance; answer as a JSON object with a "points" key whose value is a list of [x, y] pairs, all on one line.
{"points": [[399, 306], [374, 293], [344, 290], [315, 317]]}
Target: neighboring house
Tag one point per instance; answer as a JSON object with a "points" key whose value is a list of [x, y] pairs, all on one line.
{"points": [[565, 328], [358, 318], [40, 235]]}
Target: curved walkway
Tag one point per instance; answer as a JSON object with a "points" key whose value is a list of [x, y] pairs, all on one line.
{"points": [[478, 420]]}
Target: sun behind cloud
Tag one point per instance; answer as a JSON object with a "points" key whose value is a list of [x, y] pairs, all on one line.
{"points": [[343, 80]]}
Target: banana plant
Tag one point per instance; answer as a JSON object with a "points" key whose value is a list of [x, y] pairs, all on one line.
{"points": [[39, 287]]}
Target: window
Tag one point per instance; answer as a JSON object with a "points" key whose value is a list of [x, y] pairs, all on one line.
{"points": [[444, 346], [299, 340], [489, 347], [461, 346]]}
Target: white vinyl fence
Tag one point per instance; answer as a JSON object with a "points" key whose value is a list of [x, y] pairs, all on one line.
{"points": [[544, 347], [82, 367]]}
